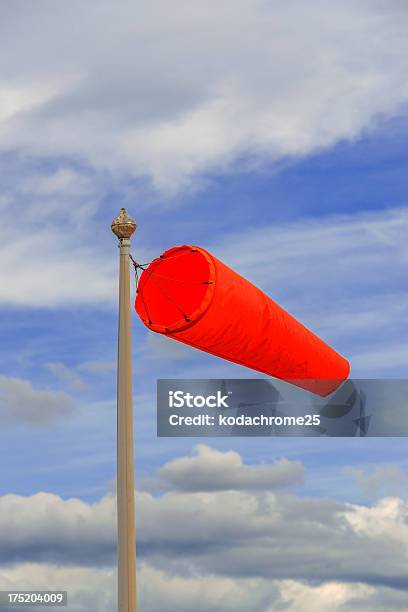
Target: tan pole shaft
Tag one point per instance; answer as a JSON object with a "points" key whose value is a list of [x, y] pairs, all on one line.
{"points": [[125, 462]]}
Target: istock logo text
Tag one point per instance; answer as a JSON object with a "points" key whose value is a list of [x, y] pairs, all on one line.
{"points": [[179, 399]]}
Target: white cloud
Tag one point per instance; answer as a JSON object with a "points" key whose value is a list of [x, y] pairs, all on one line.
{"points": [[383, 357], [385, 519], [171, 94], [17, 100], [180, 593], [67, 376], [97, 367], [88, 588], [75, 530], [361, 248], [62, 181], [379, 480], [300, 597], [212, 470], [48, 267], [20, 402]]}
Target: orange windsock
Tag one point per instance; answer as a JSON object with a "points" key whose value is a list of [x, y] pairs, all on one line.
{"points": [[189, 295]]}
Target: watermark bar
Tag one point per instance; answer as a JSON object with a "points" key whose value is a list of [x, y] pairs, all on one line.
{"points": [[269, 407]]}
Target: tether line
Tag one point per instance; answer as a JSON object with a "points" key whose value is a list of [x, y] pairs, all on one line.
{"points": [[138, 290]]}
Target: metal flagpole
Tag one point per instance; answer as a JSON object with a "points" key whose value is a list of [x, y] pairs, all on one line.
{"points": [[123, 227]]}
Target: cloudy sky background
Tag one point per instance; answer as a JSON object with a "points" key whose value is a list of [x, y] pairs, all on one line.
{"points": [[275, 135]]}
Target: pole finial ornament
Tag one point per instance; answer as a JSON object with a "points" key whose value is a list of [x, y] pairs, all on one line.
{"points": [[123, 226]]}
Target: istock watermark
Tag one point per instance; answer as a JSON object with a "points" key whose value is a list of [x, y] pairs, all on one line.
{"points": [[180, 399]]}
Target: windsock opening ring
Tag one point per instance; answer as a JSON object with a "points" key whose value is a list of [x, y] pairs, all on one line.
{"points": [[177, 298]]}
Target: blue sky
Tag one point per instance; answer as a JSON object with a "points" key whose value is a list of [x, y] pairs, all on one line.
{"points": [[280, 144]]}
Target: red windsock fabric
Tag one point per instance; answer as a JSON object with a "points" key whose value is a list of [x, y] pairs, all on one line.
{"points": [[191, 296]]}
